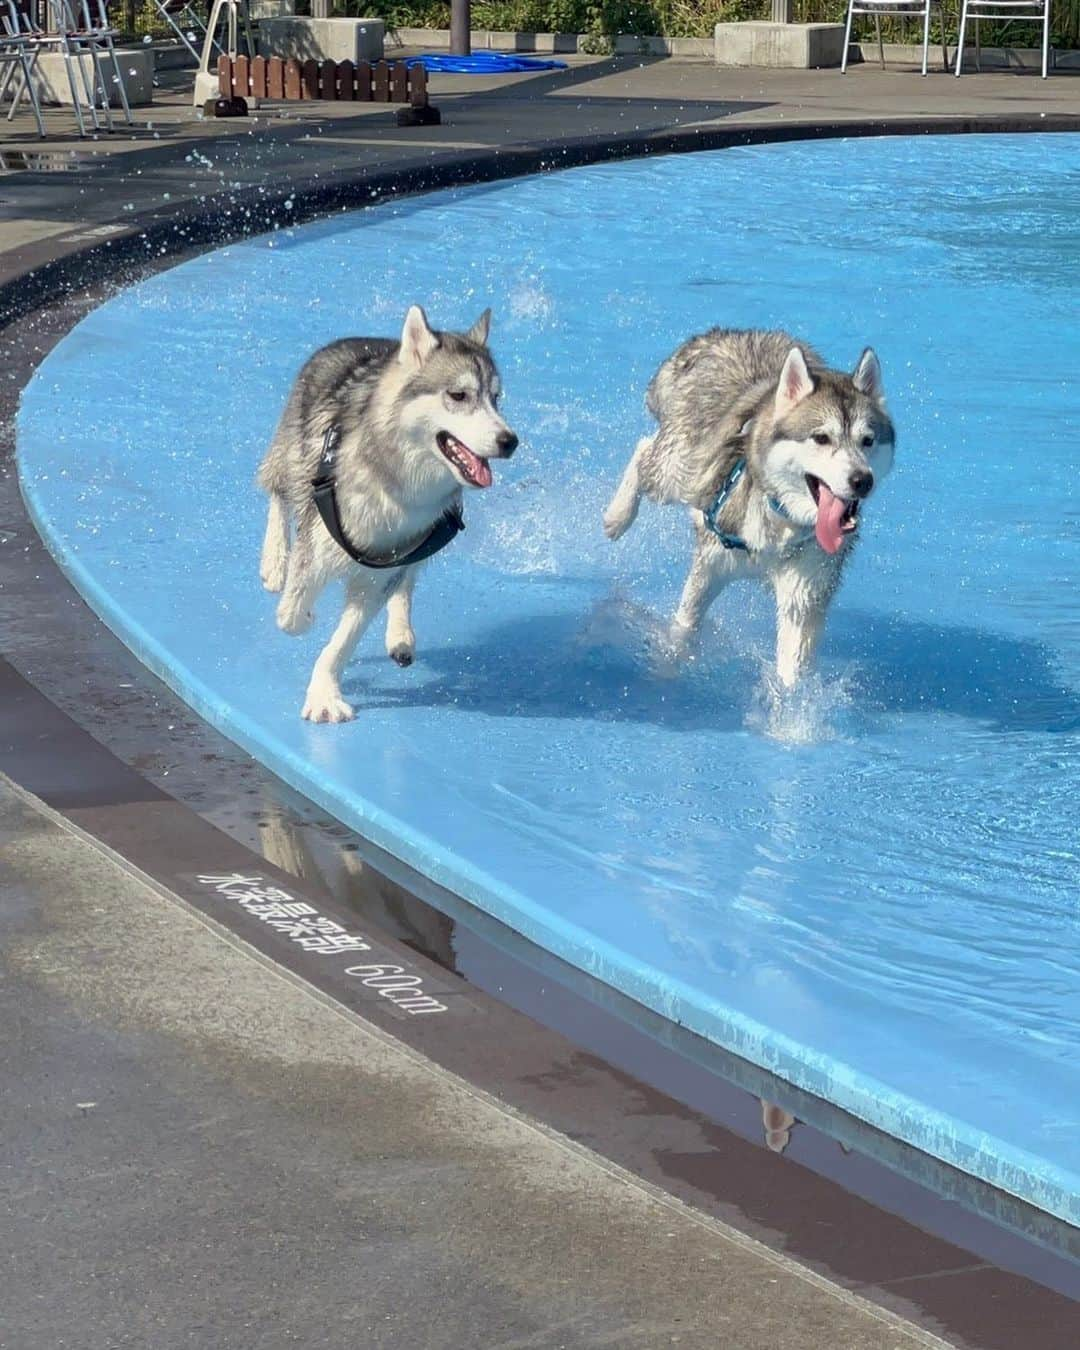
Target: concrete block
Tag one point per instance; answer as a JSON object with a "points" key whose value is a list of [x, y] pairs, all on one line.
{"points": [[323, 39], [431, 39], [272, 9], [136, 72], [799, 46], [483, 39]]}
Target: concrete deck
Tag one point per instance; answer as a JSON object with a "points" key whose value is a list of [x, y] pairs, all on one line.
{"points": [[201, 1151]]}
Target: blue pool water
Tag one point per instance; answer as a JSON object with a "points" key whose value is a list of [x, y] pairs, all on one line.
{"points": [[872, 890]]}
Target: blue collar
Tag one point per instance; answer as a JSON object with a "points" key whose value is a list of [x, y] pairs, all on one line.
{"points": [[727, 487]]}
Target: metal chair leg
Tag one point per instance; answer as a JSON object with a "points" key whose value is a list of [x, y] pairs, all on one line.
{"points": [[119, 80], [960, 39], [847, 37], [27, 74], [100, 87], [1046, 41], [76, 99], [926, 38]]}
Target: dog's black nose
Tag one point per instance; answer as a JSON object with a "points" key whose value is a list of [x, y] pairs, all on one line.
{"points": [[507, 443], [861, 483]]}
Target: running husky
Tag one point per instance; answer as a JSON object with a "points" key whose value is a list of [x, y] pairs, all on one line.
{"points": [[376, 442], [774, 453]]}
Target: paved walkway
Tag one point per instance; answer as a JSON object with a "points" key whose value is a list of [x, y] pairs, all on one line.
{"points": [[200, 1151]]}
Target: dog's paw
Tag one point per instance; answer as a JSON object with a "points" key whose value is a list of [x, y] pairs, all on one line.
{"points": [[402, 654], [273, 578], [326, 705], [616, 523], [294, 621], [675, 649]]}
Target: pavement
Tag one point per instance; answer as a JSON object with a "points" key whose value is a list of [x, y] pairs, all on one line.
{"points": [[199, 1148]]}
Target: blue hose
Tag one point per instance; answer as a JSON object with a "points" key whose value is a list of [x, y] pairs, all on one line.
{"points": [[483, 63]]}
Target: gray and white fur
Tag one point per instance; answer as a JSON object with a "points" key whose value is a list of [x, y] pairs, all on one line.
{"points": [[418, 422], [815, 441]]}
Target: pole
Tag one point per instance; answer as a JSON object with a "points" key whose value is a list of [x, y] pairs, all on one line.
{"points": [[460, 26]]}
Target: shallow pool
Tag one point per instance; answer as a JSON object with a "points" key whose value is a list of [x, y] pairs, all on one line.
{"points": [[875, 890]]}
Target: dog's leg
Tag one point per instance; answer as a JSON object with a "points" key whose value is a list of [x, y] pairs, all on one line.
{"points": [[623, 508], [400, 638], [304, 579], [324, 702], [275, 549], [709, 574], [800, 617]]}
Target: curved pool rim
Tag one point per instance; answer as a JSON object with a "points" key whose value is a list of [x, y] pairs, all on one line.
{"points": [[100, 263]]}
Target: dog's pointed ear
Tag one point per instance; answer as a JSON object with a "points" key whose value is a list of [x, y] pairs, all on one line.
{"points": [[794, 383], [867, 375], [478, 333], [417, 339]]}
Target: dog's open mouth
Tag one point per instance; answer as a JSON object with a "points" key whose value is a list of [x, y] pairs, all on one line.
{"points": [[475, 471], [836, 516]]}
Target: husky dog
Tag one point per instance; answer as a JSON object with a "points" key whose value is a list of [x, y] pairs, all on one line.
{"points": [[398, 429], [774, 453]]}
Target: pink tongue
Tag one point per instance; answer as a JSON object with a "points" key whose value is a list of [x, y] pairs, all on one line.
{"points": [[830, 511], [479, 470]]}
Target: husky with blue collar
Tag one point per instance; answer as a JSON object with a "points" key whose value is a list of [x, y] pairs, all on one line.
{"points": [[774, 453], [377, 443]]}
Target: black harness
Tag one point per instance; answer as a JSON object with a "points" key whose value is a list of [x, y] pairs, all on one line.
{"points": [[446, 528]]}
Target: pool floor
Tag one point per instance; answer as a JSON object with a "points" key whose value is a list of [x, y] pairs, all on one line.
{"points": [[870, 889]]}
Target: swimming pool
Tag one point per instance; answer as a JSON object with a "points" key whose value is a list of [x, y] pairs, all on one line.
{"points": [[872, 893]]}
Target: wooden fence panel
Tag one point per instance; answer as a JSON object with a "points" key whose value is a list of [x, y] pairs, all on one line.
{"points": [[417, 86], [258, 77], [328, 81], [381, 90], [275, 78]]}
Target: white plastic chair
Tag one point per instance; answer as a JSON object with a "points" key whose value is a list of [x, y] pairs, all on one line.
{"points": [[18, 57], [892, 9], [1004, 9]]}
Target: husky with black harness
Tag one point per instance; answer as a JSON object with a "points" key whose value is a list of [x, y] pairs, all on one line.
{"points": [[775, 454], [368, 465]]}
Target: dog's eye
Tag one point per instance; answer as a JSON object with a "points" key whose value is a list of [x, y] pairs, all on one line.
{"points": [[822, 438], [867, 441], [457, 395]]}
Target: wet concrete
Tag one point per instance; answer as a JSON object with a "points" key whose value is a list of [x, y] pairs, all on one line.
{"points": [[200, 1152]]}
